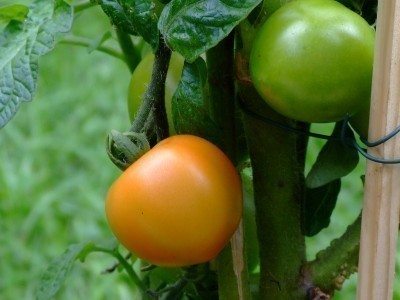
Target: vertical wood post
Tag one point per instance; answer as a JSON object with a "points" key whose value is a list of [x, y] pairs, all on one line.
{"points": [[380, 219]]}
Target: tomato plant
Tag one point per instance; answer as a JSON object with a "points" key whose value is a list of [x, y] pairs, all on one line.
{"points": [[141, 78], [236, 74], [177, 205], [312, 61]]}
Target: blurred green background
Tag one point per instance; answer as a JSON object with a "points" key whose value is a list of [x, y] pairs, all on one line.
{"points": [[54, 174]]}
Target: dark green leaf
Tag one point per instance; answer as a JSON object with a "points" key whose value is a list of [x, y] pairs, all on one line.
{"points": [[191, 27], [53, 278], [144, 18], [318, 207], [16, 12], [135, 17], [334, 161], [113, 9], [189, 109], [21, 44]]}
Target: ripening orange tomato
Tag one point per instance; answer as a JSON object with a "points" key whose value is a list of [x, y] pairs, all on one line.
{"points": [[177, 205]]}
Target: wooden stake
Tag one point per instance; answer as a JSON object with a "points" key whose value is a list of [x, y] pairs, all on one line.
{"points": [[380, 219]]}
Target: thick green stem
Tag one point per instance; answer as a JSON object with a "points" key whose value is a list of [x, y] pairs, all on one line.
{"points": [[336, 263], [150, 118], [154, 96], [277, 175], [85, 42], [232, 271], [132, 55], [302, 143], [222, 92]]}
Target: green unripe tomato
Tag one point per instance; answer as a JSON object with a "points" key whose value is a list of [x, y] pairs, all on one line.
{"points": [[141, 78], [312, 61]]}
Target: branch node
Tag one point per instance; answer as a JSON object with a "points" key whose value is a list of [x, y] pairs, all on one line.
{"points": [[315, 293]]}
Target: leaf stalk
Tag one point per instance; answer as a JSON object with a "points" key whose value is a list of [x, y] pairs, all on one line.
{"points": [[336, 263], [85, 42], [131, 53]]}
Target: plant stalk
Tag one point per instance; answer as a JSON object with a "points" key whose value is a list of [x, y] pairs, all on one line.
{"points": [[132, 55], [128, 268], [153, 100], [222, 92], [277, 180], [231, 267], [85, 42], [336, 263]]}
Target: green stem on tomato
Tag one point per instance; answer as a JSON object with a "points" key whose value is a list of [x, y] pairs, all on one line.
{"points": [[232, 274], [128, 268], [132, 274], [277, 181], [336, 263], [150, 121], [132, 55], [153, 99], [85, 42]]}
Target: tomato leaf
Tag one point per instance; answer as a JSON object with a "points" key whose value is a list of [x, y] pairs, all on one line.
{"points": [[55, 274], [114, 10], [189, 107], [16, 12], [318, 207], [21, 44], [136, 17], [191, 27], [334, 161]]}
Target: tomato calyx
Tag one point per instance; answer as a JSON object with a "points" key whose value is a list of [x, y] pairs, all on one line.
{"points": [[126, 147], [150, 122]]}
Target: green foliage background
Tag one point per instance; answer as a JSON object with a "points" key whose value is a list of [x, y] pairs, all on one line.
{"points": [[54, 174]]}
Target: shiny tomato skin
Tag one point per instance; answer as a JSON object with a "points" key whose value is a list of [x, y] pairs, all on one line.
{"points": [[178, 205], [141, 78], [312, 61]]}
